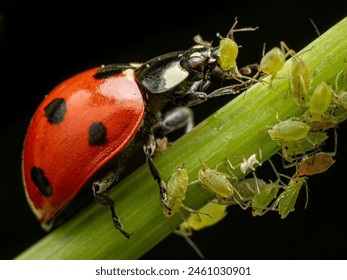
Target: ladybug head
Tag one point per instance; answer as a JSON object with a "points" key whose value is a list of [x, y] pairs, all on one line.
{"points": [[177, 71], [197, 58]]}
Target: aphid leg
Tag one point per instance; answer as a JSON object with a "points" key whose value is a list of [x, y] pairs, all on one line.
{"points": [[306, 190], [186, 235], [335, 143], [278, 175], [192, 211], [99, 192], [243, 205]]}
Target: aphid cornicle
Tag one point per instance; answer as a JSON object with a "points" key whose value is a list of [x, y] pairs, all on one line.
{"points": [[89, 125]]}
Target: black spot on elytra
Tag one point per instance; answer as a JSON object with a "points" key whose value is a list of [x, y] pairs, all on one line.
{"points": [[41, 181], [55, 111], [97, 134]]}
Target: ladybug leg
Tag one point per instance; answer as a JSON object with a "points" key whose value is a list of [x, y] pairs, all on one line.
{"points": [[99, 191], [175, 119], [149, 149], [233, 89]]}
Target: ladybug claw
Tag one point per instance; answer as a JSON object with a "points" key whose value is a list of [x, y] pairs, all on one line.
{"points": [[119, 226]]}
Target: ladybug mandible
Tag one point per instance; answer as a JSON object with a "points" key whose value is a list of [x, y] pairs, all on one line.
{"points": [[86, 126]]}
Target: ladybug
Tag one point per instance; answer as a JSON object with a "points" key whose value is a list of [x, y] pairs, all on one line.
{"points": [[87, 126]]}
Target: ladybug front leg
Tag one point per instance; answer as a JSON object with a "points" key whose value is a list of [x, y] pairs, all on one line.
{"points": [[99, 191], [177, 118], [149, 149]]}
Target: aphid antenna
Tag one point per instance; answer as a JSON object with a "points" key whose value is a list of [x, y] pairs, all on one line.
{"points": [[315, 27], [233, 30], [256, 183]]}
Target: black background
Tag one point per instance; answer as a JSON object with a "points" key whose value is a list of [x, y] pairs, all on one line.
{"points": [[42, 44]]}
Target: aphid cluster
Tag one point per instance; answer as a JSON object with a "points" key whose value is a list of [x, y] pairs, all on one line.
{"points": [[302, 142], [303, 139], [305, 136]]}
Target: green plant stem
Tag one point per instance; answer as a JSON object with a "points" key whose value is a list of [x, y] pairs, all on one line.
{"points": [[236, 130]]}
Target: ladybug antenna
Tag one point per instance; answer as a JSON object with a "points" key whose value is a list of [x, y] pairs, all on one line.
{"points": [[200, 41]]}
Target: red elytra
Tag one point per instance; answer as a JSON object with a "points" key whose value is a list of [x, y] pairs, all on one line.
{"points": [[80, 126]]}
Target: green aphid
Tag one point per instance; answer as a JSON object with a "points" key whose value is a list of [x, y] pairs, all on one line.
{"points": [[313, 140], [219, 184], [176, 191], [287, 199], [227, 54], [215, 181], [289, 130], [320, 101], [263, 197], [299, 80], [272, 61]]}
